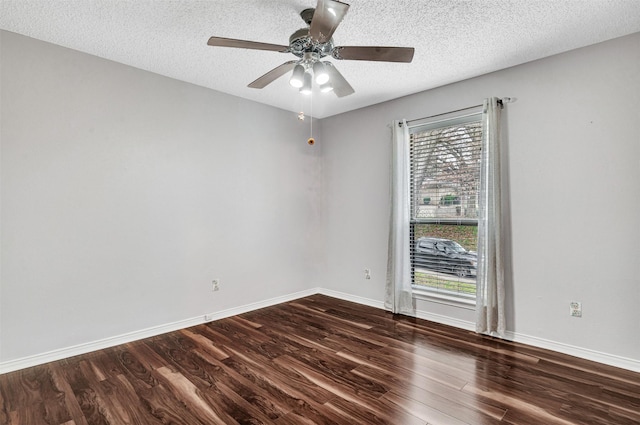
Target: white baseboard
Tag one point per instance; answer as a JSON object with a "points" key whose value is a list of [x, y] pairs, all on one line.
{"points": [[572, 350], [260, 304], [12, 365], [63, 353], [353, 298]]}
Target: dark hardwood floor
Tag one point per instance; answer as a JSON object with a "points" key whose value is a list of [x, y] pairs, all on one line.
{"points": [[319, 360]]}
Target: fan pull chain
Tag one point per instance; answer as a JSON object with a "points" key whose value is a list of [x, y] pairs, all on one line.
{"points": [[311, 140]]}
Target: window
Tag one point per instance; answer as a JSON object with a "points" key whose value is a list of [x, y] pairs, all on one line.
{"points": [[445, 162]]}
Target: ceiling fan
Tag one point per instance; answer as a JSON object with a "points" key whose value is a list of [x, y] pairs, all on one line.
{"points": [[313, 43]]}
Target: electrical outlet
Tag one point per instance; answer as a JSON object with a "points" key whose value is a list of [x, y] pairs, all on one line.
{"points": [[575, 309], [367, 273], [215, 284]]}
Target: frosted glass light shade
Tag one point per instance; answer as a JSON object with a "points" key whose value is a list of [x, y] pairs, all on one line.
{"points": [[306, 85], [297, 78], [320, 73]]}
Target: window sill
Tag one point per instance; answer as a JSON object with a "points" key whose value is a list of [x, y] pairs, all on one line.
{"points": [[453, 300]]}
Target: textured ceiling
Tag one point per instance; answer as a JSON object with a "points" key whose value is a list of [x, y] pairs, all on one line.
{"points": [[454, 40]]}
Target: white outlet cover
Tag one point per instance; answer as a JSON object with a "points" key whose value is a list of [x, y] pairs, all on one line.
{"points": [[575, 309]]}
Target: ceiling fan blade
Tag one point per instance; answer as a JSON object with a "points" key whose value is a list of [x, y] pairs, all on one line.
{"points": [[374, 53], [326, 18], [340, 86], [272, 75], [244, 44]]}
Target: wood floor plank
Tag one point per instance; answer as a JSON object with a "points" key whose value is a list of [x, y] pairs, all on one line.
{"points": [[272, 404], [4, 411], [163, 404], [621, 416], [75, 412], [25, 415], [337, 384], [452, 407], [522, 408], [31, 396], [84, 391], [404, 368], [298, 325], [134, 406], [105, 364], [20, 388], [308, 414], [238, 389], [138, 374], [328, 318], [271, 348], [190, 396], [188, 373], [424, 411], [205, 344], [291, 387], [321, 360], [423, 389], [387, 414]]}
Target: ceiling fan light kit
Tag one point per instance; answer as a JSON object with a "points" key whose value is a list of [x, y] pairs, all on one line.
{"points": [[307, 86], [297, 78], [313, 43], [320, 73]]}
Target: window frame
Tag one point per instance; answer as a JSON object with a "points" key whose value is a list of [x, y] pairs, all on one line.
{"points": [[474, 115]]}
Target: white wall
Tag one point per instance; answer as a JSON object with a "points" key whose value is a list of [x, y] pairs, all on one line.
{"points": [[125, 193], [573, 145]]}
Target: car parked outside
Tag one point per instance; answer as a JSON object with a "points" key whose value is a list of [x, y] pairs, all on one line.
{"points": [[444, 255]]}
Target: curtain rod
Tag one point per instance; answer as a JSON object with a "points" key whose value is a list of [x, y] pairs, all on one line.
{"points": [[501, 102]]}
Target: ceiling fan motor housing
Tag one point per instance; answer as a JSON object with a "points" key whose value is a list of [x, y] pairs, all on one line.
{"points": [[300, 43]]}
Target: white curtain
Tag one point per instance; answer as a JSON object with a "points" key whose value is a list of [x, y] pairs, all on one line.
{"points": [[490, 278], [398, 298]]}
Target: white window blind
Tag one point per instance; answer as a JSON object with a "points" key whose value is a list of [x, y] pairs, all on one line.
{"points": [[445, 162]]}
